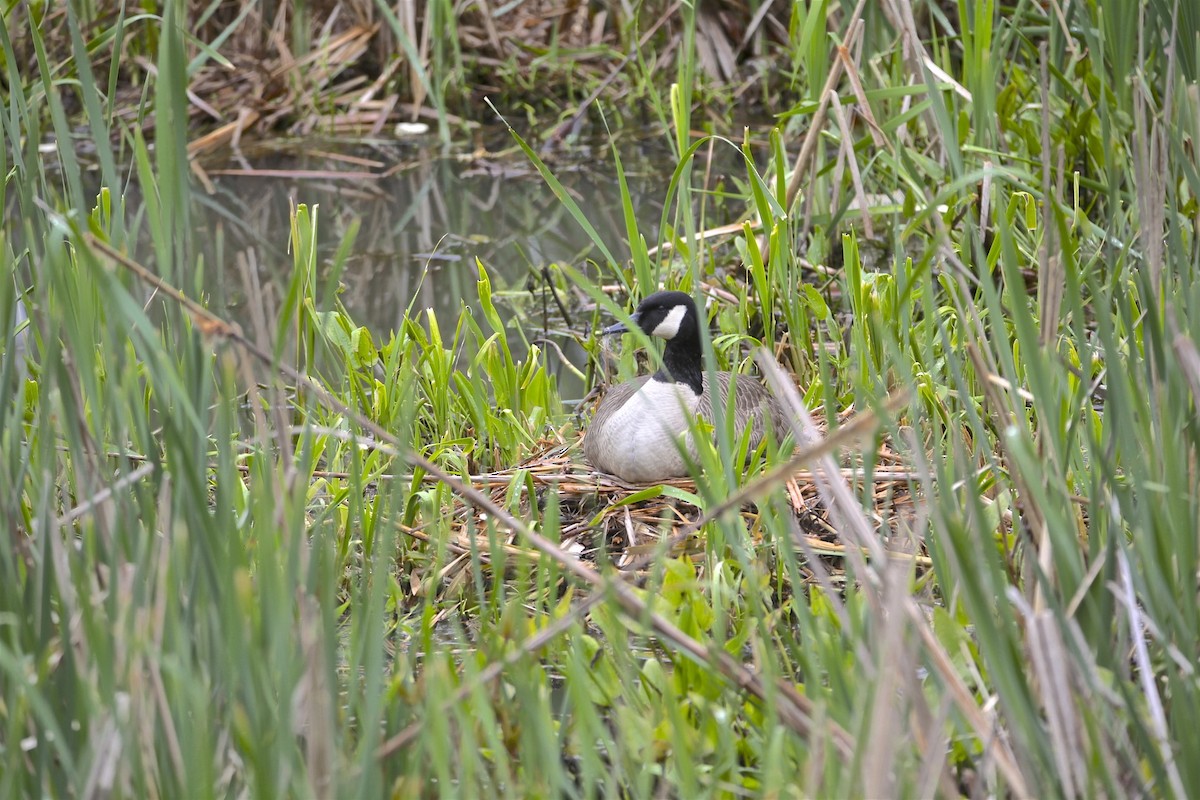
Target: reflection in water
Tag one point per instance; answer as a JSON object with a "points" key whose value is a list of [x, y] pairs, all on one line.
{"points": [[421, 225], [422, 228]]}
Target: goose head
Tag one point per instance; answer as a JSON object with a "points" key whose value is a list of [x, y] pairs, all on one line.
{"points": [[667, 315], [671, 316]]}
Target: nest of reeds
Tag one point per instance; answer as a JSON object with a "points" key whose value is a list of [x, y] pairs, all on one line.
{"points": [[603, 518]]}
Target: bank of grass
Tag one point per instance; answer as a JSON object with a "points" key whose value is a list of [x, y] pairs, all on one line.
{"points": [[235, 563]]}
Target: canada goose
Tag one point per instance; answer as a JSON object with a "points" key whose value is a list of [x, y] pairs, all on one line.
{"points": [[634, 432]]}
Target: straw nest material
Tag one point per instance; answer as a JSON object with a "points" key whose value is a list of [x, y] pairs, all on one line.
{"points": [[604, 518]]}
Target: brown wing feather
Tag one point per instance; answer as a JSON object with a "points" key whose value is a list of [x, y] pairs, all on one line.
{"points": [[753, 405]]}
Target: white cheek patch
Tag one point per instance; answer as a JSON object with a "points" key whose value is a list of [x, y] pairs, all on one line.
{"points": [[670, 324]]}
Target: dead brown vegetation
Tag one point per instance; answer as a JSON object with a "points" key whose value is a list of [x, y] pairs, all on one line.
{"points": [[264, 69]]}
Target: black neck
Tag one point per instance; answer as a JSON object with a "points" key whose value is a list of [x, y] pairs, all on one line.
{"points": [[682, 361]]}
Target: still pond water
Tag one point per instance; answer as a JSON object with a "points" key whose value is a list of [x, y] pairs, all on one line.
{"points": [[424, 219]]}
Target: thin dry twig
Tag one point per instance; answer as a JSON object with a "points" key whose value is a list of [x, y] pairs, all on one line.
{"points": [[809, 147]]}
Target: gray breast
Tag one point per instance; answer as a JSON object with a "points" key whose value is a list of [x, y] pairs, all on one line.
{"points": [[637, 425]]}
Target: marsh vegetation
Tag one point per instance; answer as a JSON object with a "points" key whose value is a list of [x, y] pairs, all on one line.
{"points": [[276, 528]]}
